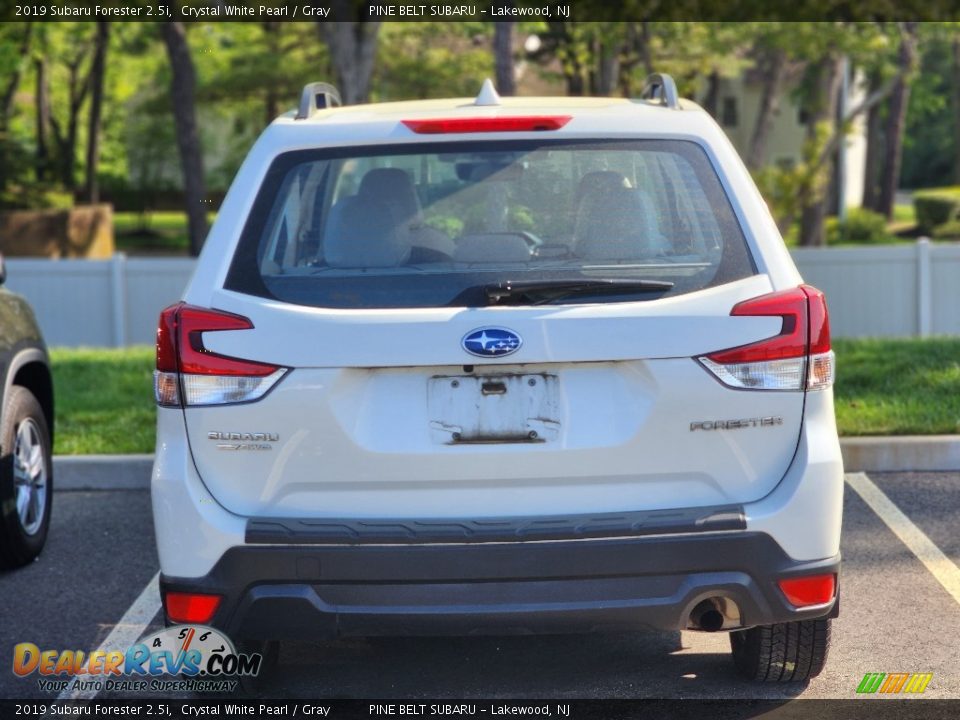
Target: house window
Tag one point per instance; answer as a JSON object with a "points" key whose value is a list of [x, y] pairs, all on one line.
{"points": [[786, 162], [728, 114]]}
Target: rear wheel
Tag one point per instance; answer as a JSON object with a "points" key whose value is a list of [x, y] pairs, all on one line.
{"points": [[785, 652], [26, 479]]}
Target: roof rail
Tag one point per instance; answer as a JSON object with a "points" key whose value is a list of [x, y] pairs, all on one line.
{"points": [[661, 86], [317, 96]]}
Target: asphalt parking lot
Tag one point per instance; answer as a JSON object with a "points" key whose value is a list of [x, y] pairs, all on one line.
{"points": [[897, 616]]}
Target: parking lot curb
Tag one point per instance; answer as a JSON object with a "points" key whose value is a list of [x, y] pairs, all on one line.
{"points": [[906, 453], [102, 472]]}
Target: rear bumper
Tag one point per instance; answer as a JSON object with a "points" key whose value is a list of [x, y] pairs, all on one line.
{"points": [[317, 592]]}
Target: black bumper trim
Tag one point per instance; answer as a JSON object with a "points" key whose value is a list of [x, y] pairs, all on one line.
{"points": [[318, 592], [320, 531]]}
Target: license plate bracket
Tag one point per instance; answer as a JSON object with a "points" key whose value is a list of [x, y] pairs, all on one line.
{"points": [[503, 408]]}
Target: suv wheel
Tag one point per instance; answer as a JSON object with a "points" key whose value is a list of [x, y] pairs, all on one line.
{"points": [[785, 652], [26, 479]]}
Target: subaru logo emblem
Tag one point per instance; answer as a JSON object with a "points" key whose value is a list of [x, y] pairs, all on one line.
{"points": [[491, 342]]}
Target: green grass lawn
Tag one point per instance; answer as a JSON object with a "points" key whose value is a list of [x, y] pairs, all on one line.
{"points": [[158, 231], [105, 404], [898, 387], [104, 401]]}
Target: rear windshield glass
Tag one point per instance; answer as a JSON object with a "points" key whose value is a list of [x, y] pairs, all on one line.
{"points": [[431, 225]]}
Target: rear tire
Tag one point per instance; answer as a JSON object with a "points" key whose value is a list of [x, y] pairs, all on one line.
{"points": [[785, 652], [26, 479]]}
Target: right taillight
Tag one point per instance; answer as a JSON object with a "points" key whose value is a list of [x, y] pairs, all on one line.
{"points": [[188, 374], [797, 358]]}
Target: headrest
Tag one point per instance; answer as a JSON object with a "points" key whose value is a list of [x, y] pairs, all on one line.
{"points": [[362, 234], [394, 187]]}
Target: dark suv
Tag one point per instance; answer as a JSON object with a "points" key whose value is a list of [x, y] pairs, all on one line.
{"points": [[26, 432]]}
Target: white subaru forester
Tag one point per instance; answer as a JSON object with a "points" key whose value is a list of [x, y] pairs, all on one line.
{"points": [[500, 365]]}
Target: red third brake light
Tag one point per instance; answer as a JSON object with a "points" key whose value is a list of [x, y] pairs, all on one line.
{"points": [[811, 590], [191, 607], [519, 123]]}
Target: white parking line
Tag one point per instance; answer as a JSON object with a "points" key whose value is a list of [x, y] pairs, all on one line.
{"points": [[126, 632], [939, 565]]}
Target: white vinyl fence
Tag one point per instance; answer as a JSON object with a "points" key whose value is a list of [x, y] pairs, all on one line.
{"points": [[99, 303], [887, 291]]}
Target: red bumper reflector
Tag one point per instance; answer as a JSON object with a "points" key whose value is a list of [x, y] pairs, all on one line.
{"points": [[191, 607], [810, 590], [522, 123]]}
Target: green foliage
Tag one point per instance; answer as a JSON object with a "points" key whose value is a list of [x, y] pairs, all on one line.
{"points": [[432, 60], [947, 231], [787, 188], [929, 143], [780, 187], [861, 227], [249, 72], [936, 206], [153, 232]]}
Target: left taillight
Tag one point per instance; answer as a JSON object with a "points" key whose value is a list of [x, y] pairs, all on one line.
{"points": [[797, 358], [188, 374]]}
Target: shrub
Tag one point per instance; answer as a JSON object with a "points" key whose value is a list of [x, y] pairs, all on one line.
{"points": [[947, 231], [862, 227], [936, 206]]}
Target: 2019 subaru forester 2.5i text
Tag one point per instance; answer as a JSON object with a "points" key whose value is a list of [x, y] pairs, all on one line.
{"points": [[500, 365]]}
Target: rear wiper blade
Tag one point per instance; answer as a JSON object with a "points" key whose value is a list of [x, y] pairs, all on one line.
{"points": [[543, 291]]}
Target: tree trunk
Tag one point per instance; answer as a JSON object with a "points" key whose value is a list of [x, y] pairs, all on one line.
{"points": [[13, 82], [608, 66], [871, 171], [637, 52], [823, 109], [43, 120], [183, 94], [711, 100], [271, 103], [91, 189], [353, 49], [774, 68], [897, 120], [503, 57], [567, 54], [955, 95]]}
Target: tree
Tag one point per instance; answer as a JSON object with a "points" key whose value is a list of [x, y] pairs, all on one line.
{"points": [[822, 111], [433, 59], [955, 102], [74, 45], [183, 95], [13, 55], [353, 48], [503, 57], [42, 102], [874, 160], [91, 190], [896, 118]]}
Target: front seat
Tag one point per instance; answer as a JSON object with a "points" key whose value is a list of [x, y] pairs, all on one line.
{"points": [[394, 187], [364, 234], [614, 221]]}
